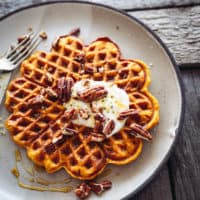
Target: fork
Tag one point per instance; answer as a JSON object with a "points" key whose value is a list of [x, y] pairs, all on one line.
{"points": [[14, 56]]}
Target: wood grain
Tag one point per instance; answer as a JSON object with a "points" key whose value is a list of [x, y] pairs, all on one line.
{"points": [[159, 188], [120, 4], [185, 161], [178, 28]]}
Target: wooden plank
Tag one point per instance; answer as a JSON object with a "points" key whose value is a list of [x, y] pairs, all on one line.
{"points": [[185, 162], [159, 188], [146, 4], [178, 28], [120, 4]]}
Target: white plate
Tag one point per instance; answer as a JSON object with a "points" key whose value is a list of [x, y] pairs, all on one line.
{"points": [[135, 41]]}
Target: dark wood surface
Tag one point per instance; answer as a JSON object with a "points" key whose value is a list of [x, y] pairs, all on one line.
{"points": [[177, 22]]}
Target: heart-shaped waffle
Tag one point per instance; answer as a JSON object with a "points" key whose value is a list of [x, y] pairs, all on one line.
{"points": [[39, 129]]}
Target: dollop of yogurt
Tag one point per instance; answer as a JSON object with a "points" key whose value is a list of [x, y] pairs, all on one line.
{"points": [[115, 102]]}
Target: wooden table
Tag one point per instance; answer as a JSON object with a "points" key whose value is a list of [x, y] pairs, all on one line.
{"points": [[177, 22]]}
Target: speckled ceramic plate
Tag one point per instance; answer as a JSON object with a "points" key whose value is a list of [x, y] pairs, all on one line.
{"points": [[135, 41]]}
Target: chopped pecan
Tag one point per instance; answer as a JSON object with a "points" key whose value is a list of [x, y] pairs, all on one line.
{"points": [[64, 86], [43, 35], [126, 114], [100, 117], [71, 114], [56, 139], [86, 83], [48, 77], [84, 114], [109, 126], [92, 94], [138, 131], [89, 69], [83, 190], [51, 93], [59, 140], [98, 188], [68, 131], [97, 137], [98, 126], [55, 43], [80, 58], [36, 102], [75, 32]]}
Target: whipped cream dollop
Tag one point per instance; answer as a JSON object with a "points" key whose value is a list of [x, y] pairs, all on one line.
{"points": [[115, 102]]}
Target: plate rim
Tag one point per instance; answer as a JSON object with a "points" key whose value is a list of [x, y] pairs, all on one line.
{"points": [[166, 50]]}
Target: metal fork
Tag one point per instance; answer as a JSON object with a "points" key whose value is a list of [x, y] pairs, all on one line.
{"points": [[14, 56]]}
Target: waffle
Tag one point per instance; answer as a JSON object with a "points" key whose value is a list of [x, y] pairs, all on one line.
{"points": [[40, 129]]}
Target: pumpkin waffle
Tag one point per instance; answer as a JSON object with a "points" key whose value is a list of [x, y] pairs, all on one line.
{"points": [[40, 129]]}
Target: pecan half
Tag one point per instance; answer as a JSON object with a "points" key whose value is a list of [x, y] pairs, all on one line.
{"points": [[68, 131], [82, 191], [92, 94], [126, 114], [139, 132], [109, 126], [36, 102], [98, 188], [71, 114], [75, 32], [97, 137], [64, 86]]}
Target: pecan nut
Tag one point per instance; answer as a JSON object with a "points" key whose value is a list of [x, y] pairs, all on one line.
{"points": [[64, 86], [82, 191], [51, 93], [48, 77], [92, 94], [98, 127], [109, 126], [36, 102], [59, 140], [97, 137], [68, 131], [139, 132], [80, 58], [71, 114], [126, 114], [43, 35], [98, 188], [75, 32], [89, 69], [100, 117]]}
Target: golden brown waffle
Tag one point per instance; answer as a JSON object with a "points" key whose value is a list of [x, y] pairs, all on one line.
{"points": [[40, 130]]}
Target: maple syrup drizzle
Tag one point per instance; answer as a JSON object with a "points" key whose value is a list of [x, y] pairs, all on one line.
{"points": [[39, 180]]}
